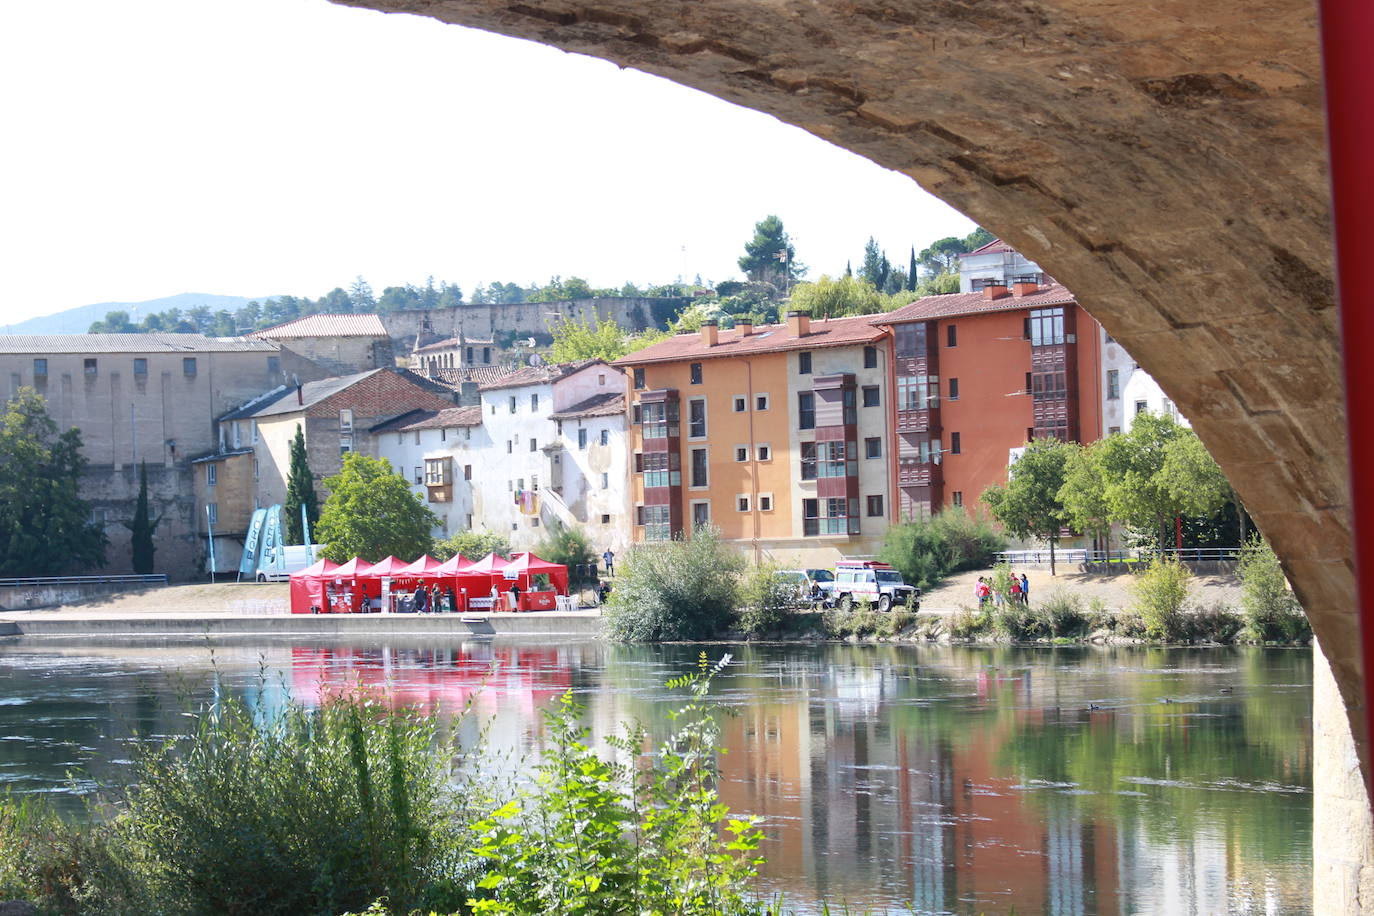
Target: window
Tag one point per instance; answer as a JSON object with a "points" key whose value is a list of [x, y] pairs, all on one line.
{"points": [[954, 443], [850, 414], [467, 472], [417, 437], [605, 481], [834, 459], [1141, 406], [581, 438], [741, 403], [437, 472], [918, 392], [534, 445], [830, 516], [870, 357], [493, 410], [40, 367], [273, 365], [1046, 327], [701, 514], [696, 418], [958, 497], [510, 447], [469, 356], [910, 340], [636, 414], [761, 402], [765, 502], [188, 366], [954, 389], [875, 507], [605, 437], [140, 366], [90, 367], [486, 354], [236, 436], [661, 469], [870, 395], [806, 410], [511, 402], [253, 426], [534, 403], [695, 370], [764, 452], [255, 469], [601, 378], [808, 461], [873, 447], [534, 482], [951, 336], [742, 502], [659, 420], [605, 520], [804, 362], [419, 476], [1113, 384], [211, 475], [699, 475], [741, 453], [1113, 430], [658, 525], [212, 513], [345, 421], [639, 378], [443, 435]]}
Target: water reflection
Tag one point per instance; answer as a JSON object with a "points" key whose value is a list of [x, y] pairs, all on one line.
{"points": [[944, 779]]}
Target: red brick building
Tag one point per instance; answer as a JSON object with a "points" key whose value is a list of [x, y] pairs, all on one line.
{"points": [[977, 374]]}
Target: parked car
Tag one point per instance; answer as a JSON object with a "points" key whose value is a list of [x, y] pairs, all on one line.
{"points": [[878, 583]]}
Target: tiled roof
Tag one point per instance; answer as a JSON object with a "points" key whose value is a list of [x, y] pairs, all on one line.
{"points": [[221, 456], [608, 404], [996, 246], [284, 400], [482, 375], [326, 326], [768, 338], [955, 304], [541, 375], [454, 342], [452, 418], [130, 343]]}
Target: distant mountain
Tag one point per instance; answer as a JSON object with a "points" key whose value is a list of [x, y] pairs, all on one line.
{"points": [[78, 320]]}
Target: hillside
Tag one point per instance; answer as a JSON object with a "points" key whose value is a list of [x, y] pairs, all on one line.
{"points": [[78, 320]]}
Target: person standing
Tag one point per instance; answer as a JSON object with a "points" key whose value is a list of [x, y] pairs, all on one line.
{"points": [[1025, 589], [609, 559], [515, 596], [420, 600], [1014, 590]]}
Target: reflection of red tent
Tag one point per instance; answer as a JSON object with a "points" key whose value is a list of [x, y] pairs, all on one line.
{"points": [[308, 586], [526, 566]]}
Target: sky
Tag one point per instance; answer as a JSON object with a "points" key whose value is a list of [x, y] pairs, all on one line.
{"points": [[264, 147]]}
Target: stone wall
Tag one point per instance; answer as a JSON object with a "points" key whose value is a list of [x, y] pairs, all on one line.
{"points": [[112, 493], [486, 322], [1165, 162]]}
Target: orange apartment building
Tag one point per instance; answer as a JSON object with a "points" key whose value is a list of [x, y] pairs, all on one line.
{"points": [[776, 435], [978, 374]]}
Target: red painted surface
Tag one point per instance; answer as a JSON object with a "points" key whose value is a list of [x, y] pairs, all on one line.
{"points": [[1347, 29]]}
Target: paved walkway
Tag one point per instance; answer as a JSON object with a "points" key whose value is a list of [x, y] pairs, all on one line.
{"points": [[1114, 591]]}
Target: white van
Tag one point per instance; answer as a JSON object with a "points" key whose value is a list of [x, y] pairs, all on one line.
{"points": [[295, 557]]}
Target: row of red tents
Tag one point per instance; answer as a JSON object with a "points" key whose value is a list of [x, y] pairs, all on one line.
{"points": [[328, 586]]}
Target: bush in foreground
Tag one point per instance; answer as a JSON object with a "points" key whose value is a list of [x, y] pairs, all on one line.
{"points": [[766, 600], [1272, 612], [681, 589], [1161, 593]]}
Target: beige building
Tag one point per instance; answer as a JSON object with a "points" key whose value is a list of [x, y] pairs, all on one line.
{"points": [[343, 344], [145, 398], [454, 353]]}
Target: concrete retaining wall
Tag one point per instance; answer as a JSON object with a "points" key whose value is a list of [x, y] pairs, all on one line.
{"points": [[325, 625], [27, 597]]}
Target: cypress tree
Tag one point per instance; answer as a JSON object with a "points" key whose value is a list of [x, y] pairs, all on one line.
{"points": [[911, 273], [141, 543], [300, 491]]}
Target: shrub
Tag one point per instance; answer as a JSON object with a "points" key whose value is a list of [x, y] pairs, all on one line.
{"points": [[1015, 621], [925, 552], [1217, 623], [51, 863], [1161, 592], [312, 812], [1271, 611], [767, 600], [1061, 614], [678, 589], [968, 623], [572, 548], [472, 544]]}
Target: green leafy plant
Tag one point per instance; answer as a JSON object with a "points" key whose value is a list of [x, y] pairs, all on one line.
{"points": [[371, 513], [472, 544], [678, 589], [1271, 610], [570, 547], [1161, 593], [926, 552], [766, 600]]}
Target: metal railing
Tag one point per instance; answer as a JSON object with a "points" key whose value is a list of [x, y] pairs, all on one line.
{"points": [[42, 581], [1073, 555]]}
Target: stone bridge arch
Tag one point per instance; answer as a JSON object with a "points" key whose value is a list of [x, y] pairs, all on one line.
{"points": [[1165, 159]]}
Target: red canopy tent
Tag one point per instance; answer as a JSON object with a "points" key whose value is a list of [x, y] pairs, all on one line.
{"points": [[308, 586], [346, 596], [426, 568], [453, 565], [527, 566]]}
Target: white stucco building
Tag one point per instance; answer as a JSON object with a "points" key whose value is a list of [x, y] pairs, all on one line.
{"points": [[435, 452], [1142, 393]]}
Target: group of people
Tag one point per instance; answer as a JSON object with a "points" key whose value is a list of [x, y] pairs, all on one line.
{"points": [[1018, 591], [431, 600]]}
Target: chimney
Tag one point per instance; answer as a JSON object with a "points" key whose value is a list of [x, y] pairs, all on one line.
{"points": [[996, 289], [468, 395], [300, 396], [745, 325], [1025, 286], [710, 334], [798, 323]]}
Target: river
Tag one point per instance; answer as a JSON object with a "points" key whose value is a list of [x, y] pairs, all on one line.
{"points": [[926, 779]]}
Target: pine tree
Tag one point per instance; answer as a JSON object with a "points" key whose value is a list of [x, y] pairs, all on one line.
{"points": [[911, 272], [142, 527], [300, 491]]}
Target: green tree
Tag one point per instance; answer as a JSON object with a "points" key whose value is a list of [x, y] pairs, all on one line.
{"points": [[942, 255], [360, 294], [472, 544], [1029, 506], [875, 266], [827, 298], [300, 491], [572, 548], [114, 323], [912, 272], [938, 284], [770, 257], [45, 526], [371, 513], [1084, 493], [673, 590], [142, 527]]}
